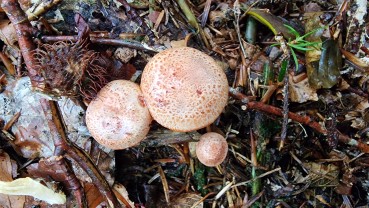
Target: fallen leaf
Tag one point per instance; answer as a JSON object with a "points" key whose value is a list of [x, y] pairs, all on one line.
{"points": [[301, 91], [30, 187], [7, 33], [6, 167], [187, 200], [93, 195], [178, 43]]}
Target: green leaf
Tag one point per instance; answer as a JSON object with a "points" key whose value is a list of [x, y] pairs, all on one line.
{"points": [[274, 23], [293, 31], [295, 59], [302, 48], [283, 70], [313, 31]]}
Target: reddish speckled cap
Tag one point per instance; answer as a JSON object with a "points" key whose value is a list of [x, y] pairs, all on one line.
{"points": [[184, 88], [212, 149], [118, 117]]}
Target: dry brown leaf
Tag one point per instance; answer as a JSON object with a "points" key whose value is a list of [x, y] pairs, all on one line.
{"points": [[93, 195], [7, 33], [122, 194], [321, 174], [125, 54], [358, 115], [6, 168], [187, 200], [301, 91], [178, 43]]}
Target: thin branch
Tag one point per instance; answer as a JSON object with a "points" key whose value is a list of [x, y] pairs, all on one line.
{"points": [[104, 41], [285, 111], [24, 32], [64, 146], [306, 120]]}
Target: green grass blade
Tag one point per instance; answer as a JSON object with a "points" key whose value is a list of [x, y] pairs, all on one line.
{"points": [[293, 31], [283, 70], [295, 59]]}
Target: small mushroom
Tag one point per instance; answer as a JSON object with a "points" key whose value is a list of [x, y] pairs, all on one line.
{"points": [[118, 117], [212, 149], [184, 89]]}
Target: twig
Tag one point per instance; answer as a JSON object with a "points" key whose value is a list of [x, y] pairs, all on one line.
{"points": [[24, 31], [10, 123], [224, 189], [165, 184], [285, 111], [64, 146], [237, 13], [40, 9], [306, 120], [160, 138], [258, 177], [19, 65], [105, 41], [202, 199], [205, 14]]}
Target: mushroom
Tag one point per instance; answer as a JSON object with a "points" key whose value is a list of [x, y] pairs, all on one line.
{"points": [[212, 149], [184, 89], [118, 117]]}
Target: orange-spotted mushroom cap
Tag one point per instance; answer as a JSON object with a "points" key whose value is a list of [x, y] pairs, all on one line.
{"points": [[118, 117], [184, 89], [212, 149]]}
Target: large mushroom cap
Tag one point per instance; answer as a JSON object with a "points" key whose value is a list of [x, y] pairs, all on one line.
{"points": [[184, 88], [212, 149], [118, 118]]}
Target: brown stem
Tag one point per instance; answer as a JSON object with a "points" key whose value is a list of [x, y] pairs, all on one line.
{"points": [[99, 40], [24, 32], [306, 120], [254, 159], [284, 111], [63, 145]]}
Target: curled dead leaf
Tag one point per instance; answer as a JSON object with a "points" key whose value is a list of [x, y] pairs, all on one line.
{"points": [[301, 91]]}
